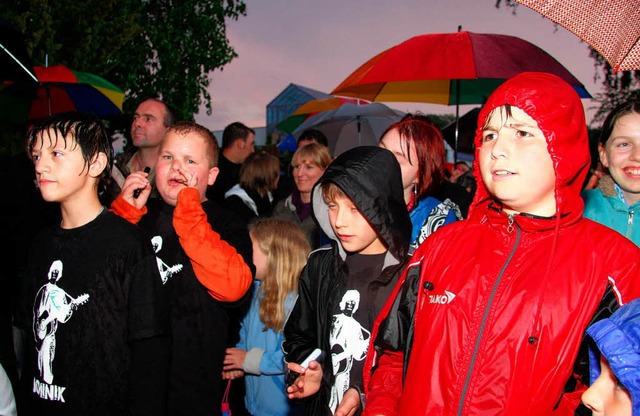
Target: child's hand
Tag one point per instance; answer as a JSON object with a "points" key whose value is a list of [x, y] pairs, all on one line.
{"points": [[233, 374], [307, 383], [191, 180], [350, 403], [133, 182], [234, 359]]}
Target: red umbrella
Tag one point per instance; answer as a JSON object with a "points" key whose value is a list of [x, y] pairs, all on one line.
{"points": [[424, 68], [58, 90], [449, 68], [612, 27]]}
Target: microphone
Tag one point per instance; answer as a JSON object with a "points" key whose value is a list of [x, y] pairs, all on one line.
{"points": [[136, 193]]}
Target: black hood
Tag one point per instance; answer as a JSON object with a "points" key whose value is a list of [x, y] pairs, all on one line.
{"points": [[370, 176]]}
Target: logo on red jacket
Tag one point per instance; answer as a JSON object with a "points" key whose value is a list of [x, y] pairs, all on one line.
{"points": [[442, 299]]}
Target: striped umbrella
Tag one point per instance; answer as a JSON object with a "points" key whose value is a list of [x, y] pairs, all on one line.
{"points": [[449, 68], [59, 89]]}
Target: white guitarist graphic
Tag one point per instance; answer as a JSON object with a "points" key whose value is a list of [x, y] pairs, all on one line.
{"points": [[166, 271], [52, 306], [349, 341]]}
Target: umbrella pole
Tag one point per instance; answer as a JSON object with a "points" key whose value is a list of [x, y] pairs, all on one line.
{"points": [[48, 98], [455, 147], [18, 62]]}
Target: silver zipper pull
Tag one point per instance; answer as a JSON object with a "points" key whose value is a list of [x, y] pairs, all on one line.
{"points": [[510, 225]]}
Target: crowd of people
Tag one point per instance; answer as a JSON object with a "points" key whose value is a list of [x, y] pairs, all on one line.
{"points": [[184, 277]]}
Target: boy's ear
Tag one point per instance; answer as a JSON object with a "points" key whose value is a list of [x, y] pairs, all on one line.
{"points": [[603, 156], [98, 164], [213, 174]]}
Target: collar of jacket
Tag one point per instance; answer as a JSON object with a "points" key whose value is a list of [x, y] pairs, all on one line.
{"points": [[528, 223], [607, 185]]}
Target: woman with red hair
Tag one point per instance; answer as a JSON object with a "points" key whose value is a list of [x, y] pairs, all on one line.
{"points": [[418, 145]]}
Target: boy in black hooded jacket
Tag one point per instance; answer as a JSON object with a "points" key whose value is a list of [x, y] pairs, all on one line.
{"points": [[358, 203]]}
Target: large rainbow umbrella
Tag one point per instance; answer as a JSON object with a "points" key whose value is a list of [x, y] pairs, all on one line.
{"points": [[449, 68], [59, 89]]}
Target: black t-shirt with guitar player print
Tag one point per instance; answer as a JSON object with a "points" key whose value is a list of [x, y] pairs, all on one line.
{"points": [[89, 294], [352, 323]]}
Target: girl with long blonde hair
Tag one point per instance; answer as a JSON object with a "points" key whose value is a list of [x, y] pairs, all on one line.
{"points": [[280, 251]]}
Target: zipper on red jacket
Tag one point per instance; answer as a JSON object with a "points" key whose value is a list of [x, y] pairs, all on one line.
{"points": [[510, 224], [510, 227]]}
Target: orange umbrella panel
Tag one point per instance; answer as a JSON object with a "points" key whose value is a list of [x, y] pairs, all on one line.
{"points": [[427, 91], [316, 106]]}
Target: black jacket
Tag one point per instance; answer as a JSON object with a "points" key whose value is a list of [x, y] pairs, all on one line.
{"points": [[200, 325], [228, 176], [371, 178]]}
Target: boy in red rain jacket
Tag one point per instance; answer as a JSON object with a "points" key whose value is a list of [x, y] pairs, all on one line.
{"points": [[492, 323]]}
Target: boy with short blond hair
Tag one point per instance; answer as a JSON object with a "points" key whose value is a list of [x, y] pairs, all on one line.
{"points": [[203, 253], [358, 202]]}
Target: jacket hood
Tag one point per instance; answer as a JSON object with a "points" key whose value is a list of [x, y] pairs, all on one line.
{"points": [[557, 109], [370, 176], [618, 339]]}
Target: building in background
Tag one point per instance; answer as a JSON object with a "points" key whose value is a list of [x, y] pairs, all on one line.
{"points": [[285, 103]]}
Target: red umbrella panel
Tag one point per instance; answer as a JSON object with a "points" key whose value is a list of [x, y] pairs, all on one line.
{"points": [[59, 90], [611, 27]]}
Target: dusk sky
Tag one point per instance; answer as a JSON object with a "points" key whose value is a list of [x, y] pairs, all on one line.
{"points": [[317, 44]]}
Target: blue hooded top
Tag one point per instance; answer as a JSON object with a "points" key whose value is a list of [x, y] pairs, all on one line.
{"points": [[618, 339]]}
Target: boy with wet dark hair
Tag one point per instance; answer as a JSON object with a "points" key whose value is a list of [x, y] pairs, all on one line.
{"points": [[93, 312]]}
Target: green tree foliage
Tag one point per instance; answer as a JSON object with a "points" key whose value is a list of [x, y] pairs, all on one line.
{"points": [[617, 88], [149, 48]]}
